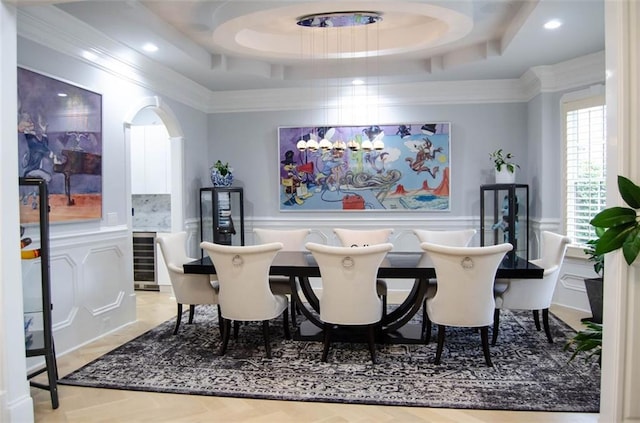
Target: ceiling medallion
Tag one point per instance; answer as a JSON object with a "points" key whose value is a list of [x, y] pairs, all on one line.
{"points": [[339, 19]]}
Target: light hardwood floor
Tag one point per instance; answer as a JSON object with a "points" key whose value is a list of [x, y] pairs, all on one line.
{"points": [[85, 405]]}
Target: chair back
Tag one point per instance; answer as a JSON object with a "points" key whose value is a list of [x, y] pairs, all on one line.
{"points": [[349, 282], [465, 283], [362, 238], [554, 247], [456, 238], [187, 288], [243, 275], [536, 294], [291, 239]]}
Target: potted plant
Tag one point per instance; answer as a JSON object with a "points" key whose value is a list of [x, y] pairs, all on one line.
{"points": [[619, 229], [504, 166], [221, 174], [594, 285]]}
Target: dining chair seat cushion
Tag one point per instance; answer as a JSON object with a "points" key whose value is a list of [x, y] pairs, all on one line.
{"points": [[191, 289], [534, 294]]}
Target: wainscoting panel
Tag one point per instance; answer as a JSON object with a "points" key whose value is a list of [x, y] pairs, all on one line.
{"points": [[91, 286]]}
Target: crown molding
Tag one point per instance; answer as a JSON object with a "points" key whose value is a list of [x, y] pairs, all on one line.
{"points": [[59, 31], [579, 72]]}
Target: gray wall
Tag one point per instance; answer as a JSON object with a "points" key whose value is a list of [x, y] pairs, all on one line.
{"points": [[249, 142]]}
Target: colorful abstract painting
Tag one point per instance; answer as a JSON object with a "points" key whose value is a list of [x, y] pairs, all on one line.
{"points": [[60, 141], [410, 173]]}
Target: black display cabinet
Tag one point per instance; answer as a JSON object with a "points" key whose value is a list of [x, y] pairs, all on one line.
{"points": [[34, 244], [507, 208], [222, 215]]}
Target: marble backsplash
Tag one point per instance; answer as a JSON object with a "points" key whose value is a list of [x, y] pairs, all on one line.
{"points": [[151, 212]]}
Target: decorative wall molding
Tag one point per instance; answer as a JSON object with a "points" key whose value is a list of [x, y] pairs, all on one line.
{"points": [[91, 284]]}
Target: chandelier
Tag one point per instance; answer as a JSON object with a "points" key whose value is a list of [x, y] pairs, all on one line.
{"points": [[335, 21]]}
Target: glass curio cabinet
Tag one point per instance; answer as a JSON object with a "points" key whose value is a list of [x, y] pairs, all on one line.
{"points": [[222, 215], [504, 217]]}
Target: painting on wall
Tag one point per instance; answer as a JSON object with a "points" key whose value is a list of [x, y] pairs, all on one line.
{"points": [[60, 141], [409, 171]]}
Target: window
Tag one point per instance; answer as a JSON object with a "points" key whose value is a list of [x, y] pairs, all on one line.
{"points": [[585, 165]]}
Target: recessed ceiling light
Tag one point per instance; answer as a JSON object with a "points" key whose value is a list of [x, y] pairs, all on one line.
{"points": [[150, 47], [357, 82], [62, 94], [553, 24]]}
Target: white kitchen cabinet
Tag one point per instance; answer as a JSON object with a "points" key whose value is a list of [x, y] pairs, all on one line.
{"points": [[150, 160]]}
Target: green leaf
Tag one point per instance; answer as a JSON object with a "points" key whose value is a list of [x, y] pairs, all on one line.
{"points": [[614, 238], [588, 341], [629, 191], [631, 246], [613, 216]]}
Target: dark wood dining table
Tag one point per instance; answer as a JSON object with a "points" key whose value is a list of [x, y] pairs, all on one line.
{"points": [[395, 325]]}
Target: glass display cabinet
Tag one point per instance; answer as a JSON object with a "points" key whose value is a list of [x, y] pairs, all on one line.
{"points": [[222, 215], [34, 244], [504, 208]]}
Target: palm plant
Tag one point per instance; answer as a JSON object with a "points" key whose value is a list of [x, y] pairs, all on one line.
{"points": [[588, 341]]}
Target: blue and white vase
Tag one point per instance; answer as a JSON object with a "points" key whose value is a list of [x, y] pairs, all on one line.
{"points": [[221, 181]]}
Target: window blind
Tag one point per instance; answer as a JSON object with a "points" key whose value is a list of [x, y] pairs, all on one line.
{"points": [[585, 165]]}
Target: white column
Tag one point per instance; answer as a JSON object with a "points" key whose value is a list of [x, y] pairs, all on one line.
{"points": [[15, 400], [621, 352]]}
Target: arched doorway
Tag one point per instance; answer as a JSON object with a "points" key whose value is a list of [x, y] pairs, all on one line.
{"points": [[166, 115], [148, 111]]}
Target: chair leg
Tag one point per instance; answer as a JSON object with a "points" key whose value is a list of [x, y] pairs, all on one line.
{"points": [[545, 323], [192, 312], [426, 323], [225, 336], [536, 319], [236, 328], [441, 330], [496, 326], [484, 335], [178, 319], [327, 339], [220, 320], [285, 324], [265, 334], [372, 342]]}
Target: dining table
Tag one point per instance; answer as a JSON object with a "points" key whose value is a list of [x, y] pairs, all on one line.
{"points": [[397, 325]]}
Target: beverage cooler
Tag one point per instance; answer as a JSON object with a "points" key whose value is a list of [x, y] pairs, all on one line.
{"points": [[222, 215]]}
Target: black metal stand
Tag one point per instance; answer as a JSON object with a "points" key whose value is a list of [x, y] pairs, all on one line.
{"points": [[34, 195]]}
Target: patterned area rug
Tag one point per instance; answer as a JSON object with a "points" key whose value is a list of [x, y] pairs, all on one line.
{"points": [[528, 373]]}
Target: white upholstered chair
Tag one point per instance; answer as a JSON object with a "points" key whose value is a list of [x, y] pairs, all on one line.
{"points": [[533, 294], [188, 289], [464, 296], [451, 238], [349, 296], [292, 240], [365, 237], [245, 295]]}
